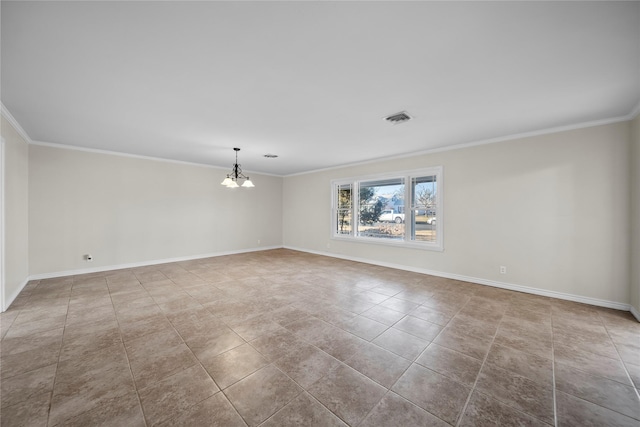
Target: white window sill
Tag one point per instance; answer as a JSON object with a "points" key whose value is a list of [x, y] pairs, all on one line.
{"points": [[391, 242]]}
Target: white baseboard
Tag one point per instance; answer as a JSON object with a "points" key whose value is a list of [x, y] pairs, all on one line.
{"points": [[480, 281], [8, 300], [41, 276]]}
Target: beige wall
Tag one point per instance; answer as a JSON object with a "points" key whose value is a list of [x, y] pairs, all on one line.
{"points": [[554, 209], [635, 216], [16, 175], [129, 210]]}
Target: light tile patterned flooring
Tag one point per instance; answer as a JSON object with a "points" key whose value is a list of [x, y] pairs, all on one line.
{"points": [[280, 338]]}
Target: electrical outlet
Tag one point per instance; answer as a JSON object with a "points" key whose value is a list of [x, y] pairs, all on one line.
{"points": [[503, 269]]}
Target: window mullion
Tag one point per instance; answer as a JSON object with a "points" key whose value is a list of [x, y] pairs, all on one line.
{"points": [[408, 209], [355, 213]]}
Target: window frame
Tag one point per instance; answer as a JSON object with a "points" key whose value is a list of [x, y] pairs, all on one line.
{"points": [[406, 241]]}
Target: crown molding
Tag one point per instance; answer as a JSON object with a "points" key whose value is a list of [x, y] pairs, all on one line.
{"points": [[634, 113], [119, 154], [138, 156], [512, 137], [7, 115]]}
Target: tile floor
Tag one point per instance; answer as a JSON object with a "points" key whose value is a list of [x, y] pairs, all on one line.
{"points": [[282, 338]]}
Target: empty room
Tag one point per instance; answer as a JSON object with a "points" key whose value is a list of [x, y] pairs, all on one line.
{"points": [[320, 213]]}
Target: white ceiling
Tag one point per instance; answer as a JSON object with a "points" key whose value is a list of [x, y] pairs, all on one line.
{"points": [[311, 81]]}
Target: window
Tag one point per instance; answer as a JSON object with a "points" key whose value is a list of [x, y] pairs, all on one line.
{"points": [[403, 209], [381, 209], [343, 210]]}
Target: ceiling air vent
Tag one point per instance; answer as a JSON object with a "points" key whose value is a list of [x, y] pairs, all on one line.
{"points": [[400, 117]]}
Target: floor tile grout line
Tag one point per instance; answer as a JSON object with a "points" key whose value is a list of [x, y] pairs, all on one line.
{"points": [[624, 366], [484, 361], [600, 376], [282, 407], [553, 373], [220, 390], [233, 406], [389, 391], [619, 359], [406, 315], [166, 318], [61, 345], [298, 395], [30, 370], [514, 373], [176, 373], [372, 408], [421, 353], [592, 374], [10, 325], [370, 379], [55, 375], [444, 327], [305, 390], [126, 354], [371, 341]]}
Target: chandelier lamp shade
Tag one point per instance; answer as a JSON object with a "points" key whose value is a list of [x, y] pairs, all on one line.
{"points": [[231, 181]]}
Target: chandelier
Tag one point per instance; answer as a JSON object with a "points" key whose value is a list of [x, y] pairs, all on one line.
{"points": [[231, 181]]}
